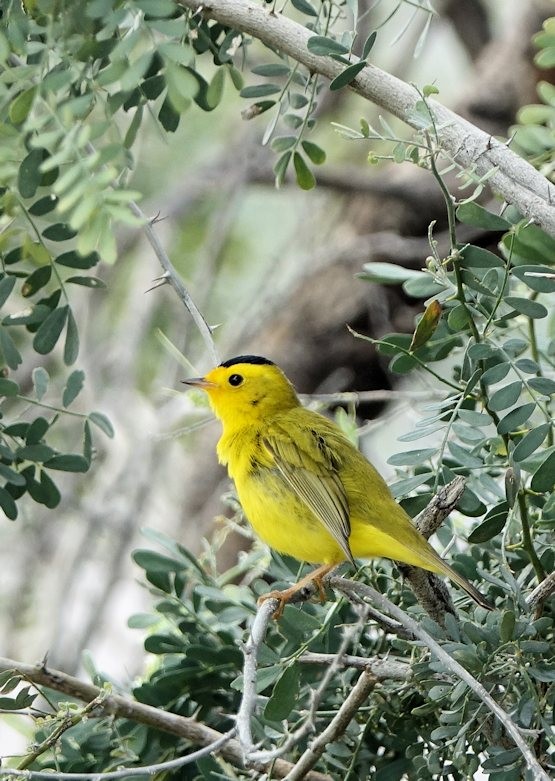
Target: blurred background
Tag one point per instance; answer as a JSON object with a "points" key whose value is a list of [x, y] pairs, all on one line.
{"points": [[275, 270]]}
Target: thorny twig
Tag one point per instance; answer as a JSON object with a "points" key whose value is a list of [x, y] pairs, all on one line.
{"points": [[171, 277]]}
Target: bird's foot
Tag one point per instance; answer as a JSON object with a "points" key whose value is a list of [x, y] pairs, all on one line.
{"points": [[315, 578]]}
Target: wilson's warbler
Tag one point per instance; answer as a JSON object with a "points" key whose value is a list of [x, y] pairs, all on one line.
{"points": [[303, 486]]}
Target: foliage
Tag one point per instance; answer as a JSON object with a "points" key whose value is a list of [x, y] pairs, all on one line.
{"points": [[534, 136], [198, 625]]}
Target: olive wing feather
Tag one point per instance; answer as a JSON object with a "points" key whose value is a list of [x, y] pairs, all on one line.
{"points": [[308, 469]]}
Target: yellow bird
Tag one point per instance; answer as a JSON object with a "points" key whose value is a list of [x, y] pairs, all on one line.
{"points": [[305, 489]]}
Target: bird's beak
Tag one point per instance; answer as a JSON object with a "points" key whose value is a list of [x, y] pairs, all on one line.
{"points": [[199, 382]]}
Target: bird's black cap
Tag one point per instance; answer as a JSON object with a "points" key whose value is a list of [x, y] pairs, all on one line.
{"points": [[257, 359]]}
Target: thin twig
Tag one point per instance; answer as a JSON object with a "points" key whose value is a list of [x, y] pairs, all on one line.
{"points": [[171, 277], [126, 772], [382, 669], [336, 727], [349, 587], [122, 707]]}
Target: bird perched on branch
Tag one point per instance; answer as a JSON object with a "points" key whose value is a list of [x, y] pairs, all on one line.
{"points": [[306, 490]]}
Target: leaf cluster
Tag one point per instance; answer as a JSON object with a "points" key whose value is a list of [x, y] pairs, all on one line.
{"points": [[427, 723]]}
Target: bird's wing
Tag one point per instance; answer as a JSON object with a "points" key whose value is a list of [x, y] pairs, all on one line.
{"points": [[308, 469]]}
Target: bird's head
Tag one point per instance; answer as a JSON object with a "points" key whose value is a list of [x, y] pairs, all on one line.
{"points": [[246, 389]]}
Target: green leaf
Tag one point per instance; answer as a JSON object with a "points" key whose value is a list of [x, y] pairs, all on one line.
{"points": [[496, 373], [389, 273], [49, 330], [507, 626], [71, 346], [412, 457], [314, 152], [280, 167], [51, 496], [74, 386], [6, 286], [92, 282], [21, 105], [260, 90], [38, 452], [36, 431], [542, 385], [515, 418], [368, 44], [271, 69], [40, 381], [505, 397], [37, 280], [8, 387], [102, 422], [12, 356], [478, 257], [168, 117], [152, 561], [543, 479], [29, 175], [60, 231], [531, 442], [347, 76], [11, 476], [304, 7], [526, 307], [305, 177], [463, 457], [491, 526], [404, 487], [322, 46], [473, 214], [215, 89], [9, 507], [75, 260], [284, 695], [68, 462], [422, 286]]}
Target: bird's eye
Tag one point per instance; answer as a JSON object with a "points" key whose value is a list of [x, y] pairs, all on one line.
{"points": [[235, 380]]}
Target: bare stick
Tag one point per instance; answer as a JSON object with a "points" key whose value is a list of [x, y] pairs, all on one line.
{"points": [[382, 669], [125, 708], [250, 654], [542, 591], [336, 727], [511, 176], [349, 587], [171, 277]]}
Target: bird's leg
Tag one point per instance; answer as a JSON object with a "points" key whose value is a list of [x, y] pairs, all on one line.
{"points": [[316, 577]]}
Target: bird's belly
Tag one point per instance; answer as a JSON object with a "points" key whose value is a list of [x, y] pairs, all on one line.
{"points": [[284, 522]]}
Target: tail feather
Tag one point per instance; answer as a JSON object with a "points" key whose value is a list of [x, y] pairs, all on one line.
{"points": [[461, 581]]}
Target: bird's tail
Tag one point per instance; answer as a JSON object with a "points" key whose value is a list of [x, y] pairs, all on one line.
{"points": [[461, 581]]}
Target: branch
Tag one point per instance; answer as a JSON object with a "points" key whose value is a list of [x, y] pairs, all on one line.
{"points": [[127, 772], [336, 727], [125, 708], [515, 179], [171, 277], [431, 591], [349, 587], [542, 592]]}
